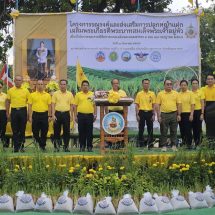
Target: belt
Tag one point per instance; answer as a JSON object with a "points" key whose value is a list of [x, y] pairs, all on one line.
{"points": [[45, 112], [169, 112], [61, 111], [85, 113], [146, 111], [19, 108]]}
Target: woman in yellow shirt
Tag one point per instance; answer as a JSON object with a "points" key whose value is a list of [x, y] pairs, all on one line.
{"points": [[3, 116], [187, 109], [198, 114]]}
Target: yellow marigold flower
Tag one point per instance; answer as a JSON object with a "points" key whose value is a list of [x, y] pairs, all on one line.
{"points": [[206, 164], [47, 166], [170, 167], [162, 163], [187, 166], [184, 169], [91, 170], [175, 166], [182, 164], [89, 175], [210, 164], [30, 166], [213, 163], [77, 165], [23, 168], [109, 167], [17, 166], [71, 170], [84, 169], [210, 172], [124, 177], [122, 168], [100, 168], [203, 160], [154, 165]]}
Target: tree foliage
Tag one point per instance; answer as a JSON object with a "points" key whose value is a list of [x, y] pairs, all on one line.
{"points": [[207, 40]]}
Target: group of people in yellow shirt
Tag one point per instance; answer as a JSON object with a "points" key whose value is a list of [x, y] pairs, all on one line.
{"points": [[39, 108], [186, 108]]}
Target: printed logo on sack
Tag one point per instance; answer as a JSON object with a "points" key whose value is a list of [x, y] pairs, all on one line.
{"points": [[113, 56], [155, 56], [41, 201], [150, 202], [126, 56], [199, 197], [100, 56], [141, 56], [82, 201], [26, 198], [103, 204], [113, 123], [61, 200], [4, 199], [127, 201], [180, 198], [165, 200]]}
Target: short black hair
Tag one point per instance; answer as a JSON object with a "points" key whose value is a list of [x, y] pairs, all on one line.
{"points": [[194, 79], [145, 79], [183, 81], [42, 42], [85, 81], [210, 75], [168, 79], [64, 80], [114, 79]]}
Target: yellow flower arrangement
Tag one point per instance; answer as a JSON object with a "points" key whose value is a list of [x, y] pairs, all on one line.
{"points": [[52, 86], [199, 12], [113, 97], [14, 13], [100, 169], [26, 85]]}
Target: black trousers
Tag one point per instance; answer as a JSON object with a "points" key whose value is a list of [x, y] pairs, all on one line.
{"points": [[40, 127], [18, 125], [3, 124], [210, 119], [63, 119], [197, 127], [186, 129], [145, 119], [85, 130]]}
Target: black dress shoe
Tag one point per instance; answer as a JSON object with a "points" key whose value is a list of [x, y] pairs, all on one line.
{"points": [[66, 150], [82, 150]]}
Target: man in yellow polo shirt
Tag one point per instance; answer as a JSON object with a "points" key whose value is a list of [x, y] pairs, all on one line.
{"points": [[116, 88], [198, 115], [3, 116], [145, 113], [187, 110], [168, 113], [17, 98], [209, 93], [39, 114], [62, 113], [85, 115]]}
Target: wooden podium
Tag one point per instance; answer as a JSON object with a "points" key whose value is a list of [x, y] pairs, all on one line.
{"points": [[105, 137]]}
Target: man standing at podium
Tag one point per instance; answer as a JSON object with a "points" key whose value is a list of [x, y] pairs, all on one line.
{"points": [[116, 88], [145, 112]]}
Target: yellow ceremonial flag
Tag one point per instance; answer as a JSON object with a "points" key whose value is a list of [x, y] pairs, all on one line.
{"points": [[80, 76], [191, 2]]}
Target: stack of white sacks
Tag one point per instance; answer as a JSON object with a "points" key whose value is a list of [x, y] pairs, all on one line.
{"points": [[85, 205]]}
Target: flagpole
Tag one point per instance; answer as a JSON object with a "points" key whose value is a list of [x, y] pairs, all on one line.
{"points": [[138, 6], [76, 82], [7, 70], [76, 5]]}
